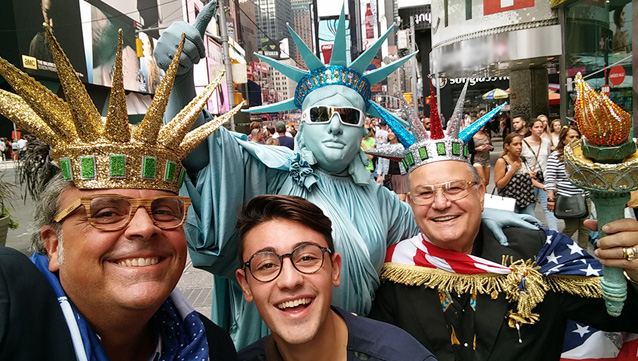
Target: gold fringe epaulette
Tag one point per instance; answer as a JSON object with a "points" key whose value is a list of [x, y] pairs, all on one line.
{"points": [[492, 284]]}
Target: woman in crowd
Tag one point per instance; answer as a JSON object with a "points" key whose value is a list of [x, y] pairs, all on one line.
{"points": [[512, 175], [480, 147], [558, 183], [554, 132], [535, 152], [543, 118], [387, 168]]}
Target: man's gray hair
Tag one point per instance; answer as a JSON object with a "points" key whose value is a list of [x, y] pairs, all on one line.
{"points": [[476, 178], [46, 208]]}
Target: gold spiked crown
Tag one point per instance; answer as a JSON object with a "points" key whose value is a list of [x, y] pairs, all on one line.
{"points": [[97, 153]]}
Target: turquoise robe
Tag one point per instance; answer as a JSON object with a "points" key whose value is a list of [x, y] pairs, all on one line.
{"points": [[366, 219]]}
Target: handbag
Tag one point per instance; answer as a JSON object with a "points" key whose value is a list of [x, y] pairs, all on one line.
{"points": [[539, 173], [495, 201], [568, 207]]}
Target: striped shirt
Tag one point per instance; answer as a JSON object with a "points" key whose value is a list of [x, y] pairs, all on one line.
{"points": [[555, 176]]}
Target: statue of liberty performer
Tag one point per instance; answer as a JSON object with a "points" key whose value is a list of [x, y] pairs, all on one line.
{"points": [[327, 167]]}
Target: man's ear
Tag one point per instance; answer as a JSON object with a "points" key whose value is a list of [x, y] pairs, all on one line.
{"points": [[336, 269], [240, 274], [49, 237], [481, 193]]}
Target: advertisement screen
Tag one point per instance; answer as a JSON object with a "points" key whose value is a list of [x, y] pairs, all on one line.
{"points": [[327, 30], [87, 32]]}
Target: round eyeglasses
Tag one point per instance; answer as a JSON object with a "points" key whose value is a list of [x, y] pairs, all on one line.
{"points": [[306, 258], [452, 191], [109, 212], [321, 114]]}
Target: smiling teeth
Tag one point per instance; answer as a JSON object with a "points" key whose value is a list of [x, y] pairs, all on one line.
{"points": [[442, 219], [139, 262], [293, 303]]}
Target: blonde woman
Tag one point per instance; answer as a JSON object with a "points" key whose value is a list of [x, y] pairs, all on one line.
{"points": [[554, 132], [535, 152], [543, 118]]}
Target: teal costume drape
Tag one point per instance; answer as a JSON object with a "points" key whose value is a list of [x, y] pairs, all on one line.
{"points": [[367, 218]]}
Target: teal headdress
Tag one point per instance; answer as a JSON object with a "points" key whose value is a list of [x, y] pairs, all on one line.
{"points": [[337, 73]]}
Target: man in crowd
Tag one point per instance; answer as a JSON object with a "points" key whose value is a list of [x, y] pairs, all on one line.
{"points": [[284, 140], [519, 125], [294, 298], [109, 241], [449, 289], [256, 136]]}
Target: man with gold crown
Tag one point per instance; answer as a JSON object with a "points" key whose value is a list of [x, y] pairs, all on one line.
{"points": [[466, 296], [110, 244], [326, 167]]}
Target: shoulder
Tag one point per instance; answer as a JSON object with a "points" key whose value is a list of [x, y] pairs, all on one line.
{"points": [[381, 341], [256, 351], [12, 260], [220, 345], [523, 243]]}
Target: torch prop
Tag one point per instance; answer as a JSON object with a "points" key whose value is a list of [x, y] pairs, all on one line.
{"points": [[605, 164]]}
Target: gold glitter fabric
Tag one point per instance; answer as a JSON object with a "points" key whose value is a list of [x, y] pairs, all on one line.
{"points": [[599, 119], [98, 153]]}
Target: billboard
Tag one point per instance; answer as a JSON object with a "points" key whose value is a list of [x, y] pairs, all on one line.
{"points": [[87, 31], [327, 30]]}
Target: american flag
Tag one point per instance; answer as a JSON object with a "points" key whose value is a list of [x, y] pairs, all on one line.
{"points": [[585, 343]]}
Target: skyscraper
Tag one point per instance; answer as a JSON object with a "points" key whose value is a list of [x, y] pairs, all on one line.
{"points": [[272, 16], [302, 24]]}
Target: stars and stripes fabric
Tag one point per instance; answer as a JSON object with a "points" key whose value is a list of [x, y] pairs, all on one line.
{"points": [[419, 251], [585, 343], [559, 256]]}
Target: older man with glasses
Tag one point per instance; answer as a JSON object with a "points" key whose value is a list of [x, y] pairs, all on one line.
{"points": [[290, 279], [466, 296], [109, 239]]}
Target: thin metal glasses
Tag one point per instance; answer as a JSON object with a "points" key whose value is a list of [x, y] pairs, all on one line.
{"points": [[110, 212], [306, 258], [319, 114], [452, 191]]}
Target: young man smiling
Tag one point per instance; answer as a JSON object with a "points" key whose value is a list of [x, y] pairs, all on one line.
{"points": [[288, 268]]}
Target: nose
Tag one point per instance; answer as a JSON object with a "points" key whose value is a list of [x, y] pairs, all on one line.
{"points": [[335, 125], [440, 201], [289, 278], [141, 225]]}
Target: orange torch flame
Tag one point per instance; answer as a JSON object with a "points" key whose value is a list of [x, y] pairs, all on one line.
{"points": [[599, 119]]}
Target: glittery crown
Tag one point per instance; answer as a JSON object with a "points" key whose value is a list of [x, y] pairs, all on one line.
{"points": [[338, 72], [98, 153], [599, 119], [421, 148], [332, 75]]}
